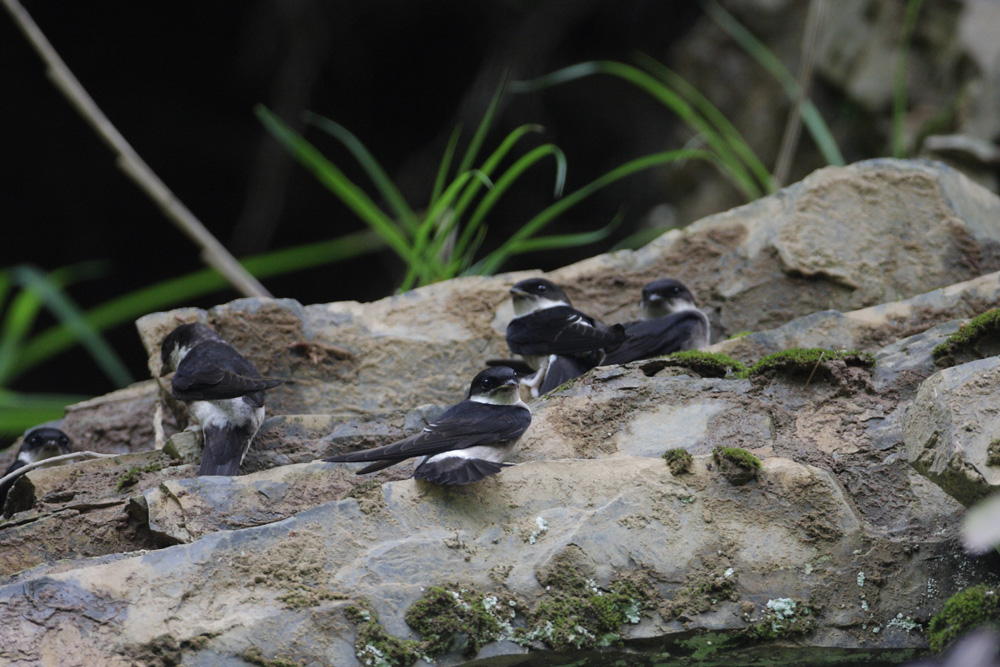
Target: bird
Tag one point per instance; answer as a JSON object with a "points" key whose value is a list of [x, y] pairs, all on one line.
{"points": [[468, 442], [555, 339], [670, 322], [39, 444], [224, 393]]}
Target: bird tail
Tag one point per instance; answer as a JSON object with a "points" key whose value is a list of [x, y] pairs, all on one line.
{"points": [[456, 471]]}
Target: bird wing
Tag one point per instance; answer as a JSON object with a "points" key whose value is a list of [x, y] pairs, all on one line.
{"points": [[560, 330], [464, 425], [214, 370], [656, 337], [563, 369]]}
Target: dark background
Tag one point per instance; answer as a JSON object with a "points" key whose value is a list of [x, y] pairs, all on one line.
{"points": [[180, 81]]}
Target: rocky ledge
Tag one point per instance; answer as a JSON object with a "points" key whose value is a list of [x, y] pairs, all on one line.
{"points": [[799, 487]]}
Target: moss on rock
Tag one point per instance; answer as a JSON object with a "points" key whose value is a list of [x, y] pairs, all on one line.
{"points": [[806, 361], [454, 618], [737, 465], [705, 364], [374, 646], [679, 460], [583, 615], [976, 339], [782, 617], [962, 612]]}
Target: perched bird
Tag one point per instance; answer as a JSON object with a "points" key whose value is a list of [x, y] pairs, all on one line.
{"points": [[39, 444], [671, 322], [468, 442], [555, 339], [224, 392]]}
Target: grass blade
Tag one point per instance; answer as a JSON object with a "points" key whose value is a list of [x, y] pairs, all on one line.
{"points": [[483, 128], [461, 253], [68, 312], [385, 186], [811, 117], [899, 79], [492, 262], [733, 166], [449, 155], [715, 117], [330, 176], [569, 240], [177, 291], [19, 412]]}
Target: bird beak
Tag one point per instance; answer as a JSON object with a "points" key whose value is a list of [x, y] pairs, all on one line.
{"points": [[517, 291]]}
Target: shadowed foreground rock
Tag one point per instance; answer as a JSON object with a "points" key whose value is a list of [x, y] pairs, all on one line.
{"points": [[835, 544]]}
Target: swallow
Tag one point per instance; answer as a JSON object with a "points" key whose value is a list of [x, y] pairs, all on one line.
{"points": [[39, 444], [546, 327], [224, 393], [468, 442], [670, 322]]}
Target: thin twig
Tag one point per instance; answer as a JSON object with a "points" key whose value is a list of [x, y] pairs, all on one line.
{"points": [[55, 459], [213, 253], [790, 139], [818, 362]]}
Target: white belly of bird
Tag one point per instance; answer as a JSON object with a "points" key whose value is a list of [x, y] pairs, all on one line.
{"points": [[226, 413], [496, 453]]}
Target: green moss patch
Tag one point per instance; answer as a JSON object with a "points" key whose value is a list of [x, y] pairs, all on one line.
{"points": [[976, 339], [962, 612], [374, 646], [452, 619], [702, 594], [679, 460], [133, 474], [705, 364], [255, 656], [993, 453], [737, 465], [806, 362], [782, 617], [580, 614]]}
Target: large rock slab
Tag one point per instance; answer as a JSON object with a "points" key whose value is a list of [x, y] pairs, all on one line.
{"points": [[276, 588], [922, 226], [951, 429]]}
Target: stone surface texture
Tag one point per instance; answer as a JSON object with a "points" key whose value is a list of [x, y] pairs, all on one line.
{"points": [[135, 560]]}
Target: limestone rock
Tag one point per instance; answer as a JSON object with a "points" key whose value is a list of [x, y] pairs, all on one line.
{"points": [[951, 425]]}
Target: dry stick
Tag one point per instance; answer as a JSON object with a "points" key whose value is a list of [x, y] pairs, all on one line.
{"points": [[55, 459], [818, 362], [790, 139], [213, 253]]}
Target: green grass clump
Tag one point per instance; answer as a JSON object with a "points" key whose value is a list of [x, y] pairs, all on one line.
{"points": [[740, 457], [981, 328], [679, 460], [962, 612], [805, 360]]}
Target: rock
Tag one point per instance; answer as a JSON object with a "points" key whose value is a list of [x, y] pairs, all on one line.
{"points": [[796, 248], [78, 509], [297, 560], [951, 427]]}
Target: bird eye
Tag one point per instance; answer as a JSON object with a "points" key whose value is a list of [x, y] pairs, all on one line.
{"points": [[542, 288], [486, 383], [677, 290], [63, 440], [33, 440]]}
